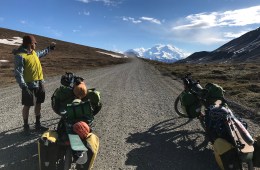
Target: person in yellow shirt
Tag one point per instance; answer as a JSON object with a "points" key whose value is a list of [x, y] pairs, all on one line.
{"points": [[29, 76]]}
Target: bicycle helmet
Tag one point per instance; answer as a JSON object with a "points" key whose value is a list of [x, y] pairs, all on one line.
{"points": [[80, 90], [82, 129]]}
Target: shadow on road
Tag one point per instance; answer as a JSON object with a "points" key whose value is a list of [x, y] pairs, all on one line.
{"points": [[18, 151], [165, 147]]}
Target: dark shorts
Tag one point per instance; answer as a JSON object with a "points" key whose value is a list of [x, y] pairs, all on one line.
{"points": [[32, 96]]}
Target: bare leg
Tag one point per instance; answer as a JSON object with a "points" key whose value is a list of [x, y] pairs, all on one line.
{"points": [[25, 117], [26, 112], [37, 109]]}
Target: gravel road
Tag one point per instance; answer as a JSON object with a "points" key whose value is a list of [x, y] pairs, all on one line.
{"points": [[138, 127]]}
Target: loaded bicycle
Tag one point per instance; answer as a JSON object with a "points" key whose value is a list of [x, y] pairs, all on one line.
{"points": [[72, 145], [232, 143]]}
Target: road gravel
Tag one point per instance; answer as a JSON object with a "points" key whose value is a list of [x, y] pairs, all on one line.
{"points": [[137, 126]]}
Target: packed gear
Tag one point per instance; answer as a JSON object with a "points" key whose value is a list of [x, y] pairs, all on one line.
{"points": [[82, 129], [79, 110], [73, 142], [48, 150], [226, 155], [229, 138], [80, 90], [92, 143], [65, 95], [51, 151], [190, 104], [213, 93], [232, 143], [93, 96]]}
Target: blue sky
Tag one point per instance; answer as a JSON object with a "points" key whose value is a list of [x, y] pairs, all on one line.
{"points": [[119, 25]]}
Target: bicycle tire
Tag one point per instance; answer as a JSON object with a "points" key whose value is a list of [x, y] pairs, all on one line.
{"points": [[178, 109], [202, 123]]}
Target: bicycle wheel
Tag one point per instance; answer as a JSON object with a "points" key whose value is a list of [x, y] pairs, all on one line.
{"points": [[178, 108], [202, 122]]}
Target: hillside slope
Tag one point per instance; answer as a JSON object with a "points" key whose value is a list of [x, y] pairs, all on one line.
{"points": [[245, 48], [66, 57]]}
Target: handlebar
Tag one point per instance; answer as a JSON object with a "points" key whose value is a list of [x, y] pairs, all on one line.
{"points": [[189, 83], [69, 79], [193, 86]]}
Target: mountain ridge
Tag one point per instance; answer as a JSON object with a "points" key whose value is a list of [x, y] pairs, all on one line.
{"points": [[67, 57], [162, 53], [245, 48]]}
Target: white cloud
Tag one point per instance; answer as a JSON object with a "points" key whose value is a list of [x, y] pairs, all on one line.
{"points": [[1, 19], [240, 17], [86, 13], [106, 2], [234, 35], [136, 21], [23, 22], [131, 20], [75, 31], [152, 20], [199, 36]]}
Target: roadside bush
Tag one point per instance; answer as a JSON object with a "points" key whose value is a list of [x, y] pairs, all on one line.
{"points": [[217, 72], [254, 88]]}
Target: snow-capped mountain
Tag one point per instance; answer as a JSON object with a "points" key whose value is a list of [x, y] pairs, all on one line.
{"points": [[163, 53]]}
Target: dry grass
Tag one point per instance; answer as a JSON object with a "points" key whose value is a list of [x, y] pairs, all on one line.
{"points": [[67, 57], [240, 81]]}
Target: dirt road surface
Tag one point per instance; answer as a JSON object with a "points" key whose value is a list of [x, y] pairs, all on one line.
{"points": [[138, 127]]}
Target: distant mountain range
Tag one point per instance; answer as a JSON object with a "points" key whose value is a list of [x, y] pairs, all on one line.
{"points": [[162, 53], [245, 48]]}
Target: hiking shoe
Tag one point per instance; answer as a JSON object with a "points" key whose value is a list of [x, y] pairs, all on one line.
{"points": [[26, 127], [39, 127]]}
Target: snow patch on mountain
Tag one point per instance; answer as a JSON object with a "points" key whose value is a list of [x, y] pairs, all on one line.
{"points": [[163, 53], [17, 41]]}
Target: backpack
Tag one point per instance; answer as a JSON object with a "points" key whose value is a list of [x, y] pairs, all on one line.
{"points": [[214, 93], [62, 96], [190, 104]]}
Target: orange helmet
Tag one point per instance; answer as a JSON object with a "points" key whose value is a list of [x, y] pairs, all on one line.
{"points": [[80, 90], [82, 129]]}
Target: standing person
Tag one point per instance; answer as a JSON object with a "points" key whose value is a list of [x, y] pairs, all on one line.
{"points": [[29, 76]]}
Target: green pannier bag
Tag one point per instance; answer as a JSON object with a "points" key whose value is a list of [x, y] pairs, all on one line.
{"points": [[79, 110], [93, 96], [60, 98], [214, 93], [190, 104]]}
